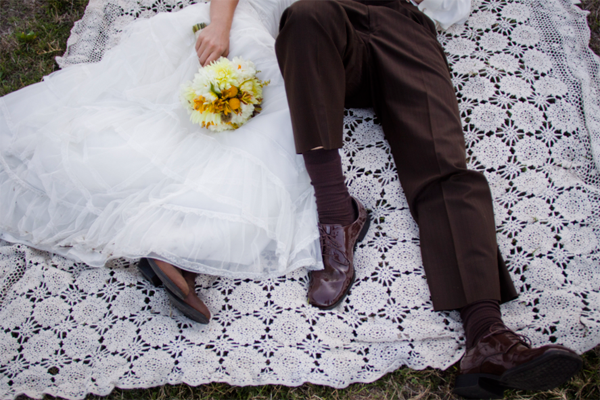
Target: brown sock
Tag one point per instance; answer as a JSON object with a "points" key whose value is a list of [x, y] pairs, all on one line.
{"points": [[478, 318], [334, 204]]}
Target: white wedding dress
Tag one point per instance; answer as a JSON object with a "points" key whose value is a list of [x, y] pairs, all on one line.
{"points": [[100, 161]]}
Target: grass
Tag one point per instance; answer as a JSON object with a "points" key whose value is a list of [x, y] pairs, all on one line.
{"points": [[33, 32], [593, 6]]}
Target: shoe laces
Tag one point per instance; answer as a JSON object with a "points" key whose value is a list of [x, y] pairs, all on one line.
{"points": [[328, 242], [497, 329]]}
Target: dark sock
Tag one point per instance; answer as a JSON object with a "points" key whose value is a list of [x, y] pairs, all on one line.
{"points": [[334, 204], [478, 318]]}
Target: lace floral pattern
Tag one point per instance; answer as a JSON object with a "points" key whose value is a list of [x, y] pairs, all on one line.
{"points": [[528, 92]]}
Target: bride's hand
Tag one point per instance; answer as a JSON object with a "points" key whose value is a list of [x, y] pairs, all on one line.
{"points": [[212, 43]]}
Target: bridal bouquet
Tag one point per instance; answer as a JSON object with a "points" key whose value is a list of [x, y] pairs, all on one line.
{"points": [[224, 95]]}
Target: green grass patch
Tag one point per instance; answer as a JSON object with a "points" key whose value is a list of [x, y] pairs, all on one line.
{"points": [[33, 34]]}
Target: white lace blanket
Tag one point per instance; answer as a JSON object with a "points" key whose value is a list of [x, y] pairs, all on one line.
{"points": [[528, 90]]}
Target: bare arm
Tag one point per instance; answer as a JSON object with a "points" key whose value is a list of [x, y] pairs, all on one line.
{"points": [[213, 41]]}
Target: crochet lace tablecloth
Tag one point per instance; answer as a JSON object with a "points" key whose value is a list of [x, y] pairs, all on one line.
{"points": [[528, 90]]}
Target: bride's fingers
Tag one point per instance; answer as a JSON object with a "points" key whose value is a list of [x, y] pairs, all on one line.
{"points": [[206, 52], [212, 43], [206, 61], [211, 58], [208, 56]]}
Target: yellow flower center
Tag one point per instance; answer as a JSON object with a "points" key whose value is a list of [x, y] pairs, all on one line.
{"points": [[234, 103], [199, 103], [231, 92]]}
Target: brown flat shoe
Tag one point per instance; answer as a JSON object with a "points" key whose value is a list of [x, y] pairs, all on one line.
{"points": [[192, 307], [170, 276], [503, 359], [148, 272], [327, 288]]}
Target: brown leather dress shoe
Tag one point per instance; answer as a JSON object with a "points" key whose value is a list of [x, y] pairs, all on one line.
{"points": [[503, 359], [328, 287]]}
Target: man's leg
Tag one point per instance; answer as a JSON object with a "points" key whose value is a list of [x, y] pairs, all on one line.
{"points": [[321, 57], [453, 207], [334, 203]]}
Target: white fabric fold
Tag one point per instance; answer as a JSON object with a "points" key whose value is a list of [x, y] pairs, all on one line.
{"points": [[446, 12]]}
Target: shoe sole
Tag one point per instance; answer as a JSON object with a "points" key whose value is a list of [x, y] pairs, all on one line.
{"points": [[169, 284], [478, 386], [148, 272], [363, 231], [543, 373], [186, 309], [552, 369], [360, 237]]}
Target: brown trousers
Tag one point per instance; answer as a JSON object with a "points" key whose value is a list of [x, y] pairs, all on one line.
{"points": [[335, 54]]}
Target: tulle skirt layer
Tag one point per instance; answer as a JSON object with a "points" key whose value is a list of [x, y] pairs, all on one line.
{"points": [[100, 161]]}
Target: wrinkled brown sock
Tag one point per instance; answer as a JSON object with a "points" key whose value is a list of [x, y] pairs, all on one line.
{"points": [[334, 204], [478, 318]]}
